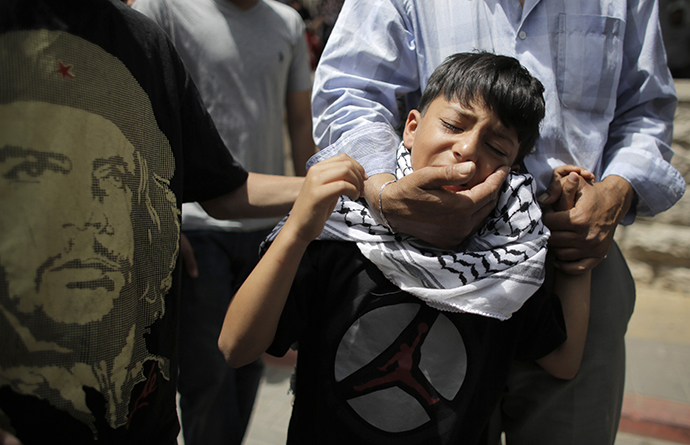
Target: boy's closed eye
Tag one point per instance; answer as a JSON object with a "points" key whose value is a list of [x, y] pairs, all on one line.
{"points": [[451, 127]]}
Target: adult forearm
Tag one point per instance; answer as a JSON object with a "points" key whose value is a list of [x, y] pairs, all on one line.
{"points": [[638, 146], [657, 184], [302, 146], [299, 127], [361, 74], [261, 196]]}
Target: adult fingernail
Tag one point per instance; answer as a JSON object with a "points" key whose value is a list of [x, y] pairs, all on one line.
{"points": [[543, 198]]}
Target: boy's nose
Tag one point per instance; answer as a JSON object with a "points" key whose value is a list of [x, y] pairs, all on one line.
{"points": [[467, 149]]}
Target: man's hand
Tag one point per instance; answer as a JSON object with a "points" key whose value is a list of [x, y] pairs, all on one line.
{"points": [[419, 205], [582, 236]]}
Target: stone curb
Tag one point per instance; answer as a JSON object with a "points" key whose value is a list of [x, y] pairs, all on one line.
{"points": [[657, 418]]}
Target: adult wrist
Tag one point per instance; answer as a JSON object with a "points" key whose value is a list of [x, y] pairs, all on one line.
{"points": [[623, 190], [382, 215]]}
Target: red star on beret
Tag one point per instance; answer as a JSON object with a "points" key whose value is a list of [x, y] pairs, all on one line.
{"points": [[64, 70]]}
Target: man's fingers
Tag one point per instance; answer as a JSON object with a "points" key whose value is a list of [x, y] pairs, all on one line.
{"points": [[570, 190], [430, 178], [551, 195], [558, 221], [493, 183]]}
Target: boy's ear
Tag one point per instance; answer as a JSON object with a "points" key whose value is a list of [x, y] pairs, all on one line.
{"points": [[411, 125]]}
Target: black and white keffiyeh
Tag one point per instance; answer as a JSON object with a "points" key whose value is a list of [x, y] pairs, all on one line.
{"points": [[492, 273]]}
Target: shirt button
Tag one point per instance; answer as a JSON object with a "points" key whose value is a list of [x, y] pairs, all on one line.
{"points": [[522, 35]]}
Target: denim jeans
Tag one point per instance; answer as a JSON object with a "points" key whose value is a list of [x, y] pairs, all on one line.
{"points": [[216, 400]]}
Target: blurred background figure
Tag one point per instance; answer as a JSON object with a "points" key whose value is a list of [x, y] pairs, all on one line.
{"points": [[250, 62], [327, 12], [674, 17]]}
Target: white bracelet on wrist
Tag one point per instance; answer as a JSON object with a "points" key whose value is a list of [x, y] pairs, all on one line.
{"points": [[381, 215]]}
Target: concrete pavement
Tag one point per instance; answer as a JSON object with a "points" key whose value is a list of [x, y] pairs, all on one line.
{"points": [[657, 401]]}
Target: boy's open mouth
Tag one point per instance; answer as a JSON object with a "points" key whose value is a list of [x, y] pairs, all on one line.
{"points": [[456, 188]]}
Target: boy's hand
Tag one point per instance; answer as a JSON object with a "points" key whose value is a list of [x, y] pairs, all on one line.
{"points": [[325, 182], [569, 194], [553, 192], [418, 204]]}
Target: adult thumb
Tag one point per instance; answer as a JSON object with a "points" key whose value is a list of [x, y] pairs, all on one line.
{"points": [[436, 177]]}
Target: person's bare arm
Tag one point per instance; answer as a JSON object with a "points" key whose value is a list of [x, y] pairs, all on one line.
{"points": [[298, 106], [572, 290], [261, 196], [187, 256], [8, 439], [252, 317], [418, 205], [582, 236]]}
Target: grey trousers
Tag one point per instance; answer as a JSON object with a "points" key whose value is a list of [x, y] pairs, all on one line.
{"points": [[539, 409]]}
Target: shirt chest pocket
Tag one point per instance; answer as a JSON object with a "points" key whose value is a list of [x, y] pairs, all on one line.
{"points": [[590, 52]]}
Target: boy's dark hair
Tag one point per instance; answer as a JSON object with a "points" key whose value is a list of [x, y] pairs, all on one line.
{"points": [[505, 87]]}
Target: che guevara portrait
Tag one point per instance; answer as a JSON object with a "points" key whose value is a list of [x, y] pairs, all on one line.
{"points": [[89, 227]]}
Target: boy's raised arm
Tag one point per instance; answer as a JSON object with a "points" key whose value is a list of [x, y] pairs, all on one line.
{"points": [[253, 315], [573, 290]]}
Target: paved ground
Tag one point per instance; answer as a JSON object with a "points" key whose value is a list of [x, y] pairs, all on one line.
{"points": [[657, 386], [657, 404]]}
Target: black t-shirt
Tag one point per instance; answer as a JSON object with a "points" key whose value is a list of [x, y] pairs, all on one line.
{"points": [[102, 137], [376, 365]]}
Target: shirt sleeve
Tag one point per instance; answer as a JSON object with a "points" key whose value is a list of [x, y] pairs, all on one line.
{"points": [[361, 74], [638, 146]]}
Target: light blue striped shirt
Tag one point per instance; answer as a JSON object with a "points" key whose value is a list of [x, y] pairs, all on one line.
{"points": [[610, 98]]}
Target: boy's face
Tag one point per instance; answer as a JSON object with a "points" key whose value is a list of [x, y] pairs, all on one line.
{"points": [[449, 133]]}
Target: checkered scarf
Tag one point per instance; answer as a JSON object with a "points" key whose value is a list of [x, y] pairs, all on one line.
{"points": [[492, 273]]}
